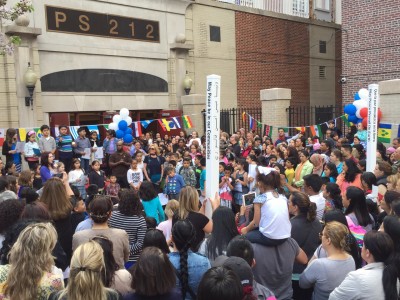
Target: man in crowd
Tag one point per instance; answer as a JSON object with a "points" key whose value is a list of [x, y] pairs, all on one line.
{"points": [[120, 163], [234, 140]]}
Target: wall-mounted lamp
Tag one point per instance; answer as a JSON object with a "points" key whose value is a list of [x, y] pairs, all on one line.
{"points": [[30, 79], [187, 83]]}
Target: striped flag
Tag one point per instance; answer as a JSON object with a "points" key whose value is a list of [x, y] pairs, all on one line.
{"points": [[146, 123], [316, 130], [162, 125], [166, 124], [268, 130], [176, 121], [384, 133], [187, 122], [244, 116], [74, 131], [2, 136], [252, 123], [136, 129]]}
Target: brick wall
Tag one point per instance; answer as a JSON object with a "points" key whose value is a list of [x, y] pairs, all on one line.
{"points": [[371, 43], [271, 53]]}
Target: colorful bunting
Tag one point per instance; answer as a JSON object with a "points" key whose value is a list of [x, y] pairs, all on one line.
{"points": [[166, 124], [252, 123], [146, 123], [268, 130], [384, 133], [316, 130], [74, 131], [177, 124], [2, 136], [344, 118], [162, 125], [187, 122], [244, 116], [136, 129]]}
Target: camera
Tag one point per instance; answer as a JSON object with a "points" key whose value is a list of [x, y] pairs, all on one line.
{"points": [[342, 80]]}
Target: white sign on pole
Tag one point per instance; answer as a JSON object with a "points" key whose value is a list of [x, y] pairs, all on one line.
{"points": [[212, 137], [372, 127]]}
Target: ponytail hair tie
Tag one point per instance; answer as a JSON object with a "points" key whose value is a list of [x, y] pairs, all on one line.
{"points": [[265, 170], [82, 269]]}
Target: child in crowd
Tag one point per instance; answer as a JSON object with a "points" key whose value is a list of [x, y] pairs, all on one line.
{"points": [[135, 176], [173, 183], [251, 159], [139, 158], [77, 178], [37, 179], [24, 181], [166, 226], [203, 178], [91, 191], [150, 201], [60, 167], [226, 187], [289, 172], [240, 183], [113, 189], [97, 176], [187, 173], [31, 149], [78, 211], [222, 167]]}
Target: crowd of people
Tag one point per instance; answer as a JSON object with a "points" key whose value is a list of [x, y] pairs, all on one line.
{"points": [[295, 218]]}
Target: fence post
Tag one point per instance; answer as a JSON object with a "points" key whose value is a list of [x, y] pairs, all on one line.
{"points": [[193, 105], [273, 107]]}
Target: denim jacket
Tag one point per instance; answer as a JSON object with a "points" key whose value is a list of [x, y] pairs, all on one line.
{"points": [[197, 266]]}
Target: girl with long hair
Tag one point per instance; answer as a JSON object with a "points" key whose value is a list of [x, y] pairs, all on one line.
{"points": [[85, 281], [77, 178], [332, 194], [224, 229], [330, 171], [9, 149], [151, 202], [189, 266], [336, 158], [31, 149], [325, 274], [351, 176], [30, 274], [378, 279]]}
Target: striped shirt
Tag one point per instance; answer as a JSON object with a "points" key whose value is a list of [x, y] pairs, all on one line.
{"points": [[66, 144], [135, 227]]}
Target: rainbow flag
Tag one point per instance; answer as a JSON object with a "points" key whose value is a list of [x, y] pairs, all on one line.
{"points": [[187, 122]]}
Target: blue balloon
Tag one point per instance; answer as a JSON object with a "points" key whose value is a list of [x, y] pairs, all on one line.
{"points": [[353, 118], [350, 109], [128, 131], [119, 134], [122, 125], [357, 96], [128, 138]]}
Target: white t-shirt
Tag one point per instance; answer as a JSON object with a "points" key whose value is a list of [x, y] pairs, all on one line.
{"points": [[274, 222], [135, 176], [319, 200]]}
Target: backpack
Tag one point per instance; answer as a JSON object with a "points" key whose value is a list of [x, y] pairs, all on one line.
{"points": [[357, 231]]}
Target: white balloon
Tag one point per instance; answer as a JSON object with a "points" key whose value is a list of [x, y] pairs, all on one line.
{"points": [[358, 112], [113, 126], [124, 112], [360, 104], [116, 119], [128, 120], [363, 93]]}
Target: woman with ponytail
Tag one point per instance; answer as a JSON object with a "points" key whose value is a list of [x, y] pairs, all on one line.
{"points": [[305, 230], [378, 279], [85, 281], [270, 225], [333, 197], [189, 266], [325, 274]]}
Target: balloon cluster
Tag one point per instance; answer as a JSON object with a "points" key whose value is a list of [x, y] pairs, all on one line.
{"points": [[121, 125], [358, 111]]}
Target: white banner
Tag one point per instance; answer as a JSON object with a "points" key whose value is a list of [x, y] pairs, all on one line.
{"points": [[372, 127], [212, 137]]}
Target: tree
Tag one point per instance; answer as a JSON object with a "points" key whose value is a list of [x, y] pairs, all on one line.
{"points": [[7, 44]]}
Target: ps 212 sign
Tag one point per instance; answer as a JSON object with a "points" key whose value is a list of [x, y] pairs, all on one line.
{"points": [[90, 23]]}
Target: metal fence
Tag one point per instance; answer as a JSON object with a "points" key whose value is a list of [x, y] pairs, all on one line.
{"points": [[313, 115], [231, 119]]}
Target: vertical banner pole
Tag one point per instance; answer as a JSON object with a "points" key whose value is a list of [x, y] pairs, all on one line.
{"points": [[372, 128], [212, 138]]}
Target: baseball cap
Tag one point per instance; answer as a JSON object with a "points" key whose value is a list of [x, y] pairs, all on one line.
{"points": [[241, 268]]}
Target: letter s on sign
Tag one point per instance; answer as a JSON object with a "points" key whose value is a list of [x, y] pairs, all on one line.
{"points": [[84, 19]]}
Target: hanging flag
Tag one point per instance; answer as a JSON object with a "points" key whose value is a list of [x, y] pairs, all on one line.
{"points": [[244, 116], [346, 122], [384, 133], [301, 129], [162, 125], [252, 123], [21, 134], [316, 130], [74, 131], [286, 130], [136, 129], [2, 136], [105, 126], [38, 133], [268, 130], [176, 121], [94, 128], [187, 122], [146, 123], [259, 124], [166, 124]]}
